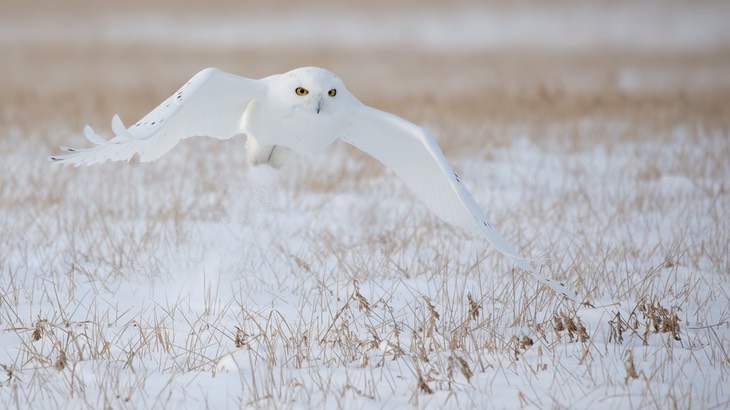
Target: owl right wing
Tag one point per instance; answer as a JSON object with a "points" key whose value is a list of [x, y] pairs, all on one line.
{"points": [[412, 153], [210, 104]]}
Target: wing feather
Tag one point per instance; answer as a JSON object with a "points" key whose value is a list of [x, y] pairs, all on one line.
{"points": [[210, 104], [412, 153]]}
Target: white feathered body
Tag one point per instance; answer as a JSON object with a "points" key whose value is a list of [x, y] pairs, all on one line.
{"points": [[298, 130]]}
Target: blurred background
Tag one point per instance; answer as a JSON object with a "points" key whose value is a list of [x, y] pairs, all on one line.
{"points": [[466, 62]]}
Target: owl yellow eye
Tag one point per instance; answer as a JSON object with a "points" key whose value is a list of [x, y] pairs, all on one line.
{"points": [[301, 91], [332, 92]]}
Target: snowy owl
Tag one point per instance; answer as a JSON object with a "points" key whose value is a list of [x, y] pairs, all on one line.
{"points": [[301, 111]]}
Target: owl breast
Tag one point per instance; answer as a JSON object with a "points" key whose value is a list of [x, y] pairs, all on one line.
{"points": [[303, 131]]}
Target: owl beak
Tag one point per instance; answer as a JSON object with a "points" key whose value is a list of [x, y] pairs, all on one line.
{"points": [[319, 105]]}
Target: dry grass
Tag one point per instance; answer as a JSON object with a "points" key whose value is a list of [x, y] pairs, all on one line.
{"points": [[154, 285]]}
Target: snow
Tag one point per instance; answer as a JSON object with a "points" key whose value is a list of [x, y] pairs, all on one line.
{"points": [[147, 307]]}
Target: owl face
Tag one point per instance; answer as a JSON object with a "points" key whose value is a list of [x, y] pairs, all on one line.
{"points": [[312, 91]]}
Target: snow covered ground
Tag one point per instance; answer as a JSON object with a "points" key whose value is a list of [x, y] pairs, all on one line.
{"points": [[199, 281]]}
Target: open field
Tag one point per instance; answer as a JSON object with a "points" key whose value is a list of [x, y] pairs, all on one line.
{"points": [[200, 281]]}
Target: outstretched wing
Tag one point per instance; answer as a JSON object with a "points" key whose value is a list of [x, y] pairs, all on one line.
{"points": [[210, 104], [414, 156]]}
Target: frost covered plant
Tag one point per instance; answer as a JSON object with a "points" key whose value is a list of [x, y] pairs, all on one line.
{"points": [[645, 319]]}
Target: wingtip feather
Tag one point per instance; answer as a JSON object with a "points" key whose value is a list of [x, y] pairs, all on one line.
{"points": [[93, 136]]}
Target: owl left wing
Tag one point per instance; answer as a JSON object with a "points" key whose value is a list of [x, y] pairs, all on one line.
{"points": [[210, 104], [411, 152]]}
